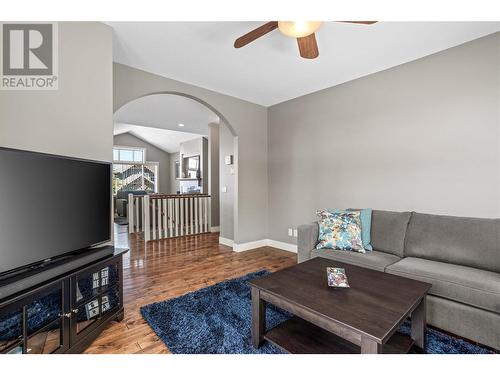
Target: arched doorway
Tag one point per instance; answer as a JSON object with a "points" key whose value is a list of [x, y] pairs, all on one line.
{"points": [[224, 192]]}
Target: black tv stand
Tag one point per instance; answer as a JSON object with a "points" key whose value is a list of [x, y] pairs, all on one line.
{"points": [[62, 308], [28, 278]]}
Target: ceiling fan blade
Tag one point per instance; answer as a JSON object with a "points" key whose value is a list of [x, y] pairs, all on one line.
{"points": [[254, 34], [308, 47], [361, 22]]}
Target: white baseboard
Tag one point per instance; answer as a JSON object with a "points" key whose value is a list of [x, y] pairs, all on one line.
{"points": [[283, 245], [260, 243], [226, 241], [249, 245], [214, 229]]}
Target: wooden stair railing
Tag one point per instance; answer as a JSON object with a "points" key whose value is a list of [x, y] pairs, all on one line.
{"points": [[164, 216]]}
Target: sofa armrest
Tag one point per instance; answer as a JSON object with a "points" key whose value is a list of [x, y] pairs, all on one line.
{"points": [[306, 241]]}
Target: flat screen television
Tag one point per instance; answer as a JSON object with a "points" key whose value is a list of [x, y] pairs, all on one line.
{"points": [[50, 206]]}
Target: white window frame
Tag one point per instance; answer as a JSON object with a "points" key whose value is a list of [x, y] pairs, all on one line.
{"points": [[143, 149]]}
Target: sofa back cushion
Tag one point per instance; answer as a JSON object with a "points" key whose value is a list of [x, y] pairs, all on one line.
{"points": [[458, 240], [388, 231]]}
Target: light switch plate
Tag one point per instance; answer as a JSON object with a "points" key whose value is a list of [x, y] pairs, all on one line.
{"points": [[224, 189], [290, 232], [295, 232], [228, 160]]}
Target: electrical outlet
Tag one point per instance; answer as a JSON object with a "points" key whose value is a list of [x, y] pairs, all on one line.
{"points": [[295, 232], [290, 232]]}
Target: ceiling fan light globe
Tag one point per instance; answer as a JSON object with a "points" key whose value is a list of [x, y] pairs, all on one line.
{"points": [[298, 29]]}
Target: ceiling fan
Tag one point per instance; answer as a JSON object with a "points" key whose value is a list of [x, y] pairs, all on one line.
{"points": [[302, 30]]}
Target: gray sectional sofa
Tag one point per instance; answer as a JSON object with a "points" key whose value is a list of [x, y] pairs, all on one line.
{"points": [[459, 256]]}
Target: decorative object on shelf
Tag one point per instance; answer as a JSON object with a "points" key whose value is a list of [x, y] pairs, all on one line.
{"points": [[336, 277], [104, 276], [95, 280], [92, 309], [105, 303]]}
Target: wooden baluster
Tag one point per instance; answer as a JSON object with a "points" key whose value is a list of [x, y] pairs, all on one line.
{"points": [[170, 203], [130, 213], [186, 216], [200, 214], [182, 203], [187, 229], [176, 217], [191, 216], [137, 220], [153, 217], [205, 208], [159, 221], [142, 212], [146, 213], [209, 208], [165, 216], [196, 226]]}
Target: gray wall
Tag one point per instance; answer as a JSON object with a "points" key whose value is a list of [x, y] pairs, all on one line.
{"points": [[77, 119], [174, 184], [204, 165], [422, 136], [153, 153], [213, 171], [192, 147], [227, 199], [249, 123]]}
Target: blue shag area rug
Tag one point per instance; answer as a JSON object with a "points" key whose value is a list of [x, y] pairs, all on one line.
{"points": [[217, 320]]}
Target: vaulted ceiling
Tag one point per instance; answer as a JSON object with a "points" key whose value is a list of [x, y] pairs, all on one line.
{"points": [[156, 119], [166, 140], [167, 111], [269, 70]]}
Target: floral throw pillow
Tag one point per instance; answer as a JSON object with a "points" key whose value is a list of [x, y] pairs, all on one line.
{"points": [[340, 231]]}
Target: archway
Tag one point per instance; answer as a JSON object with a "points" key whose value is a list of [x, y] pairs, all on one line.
{"points": [[227, 202], [221, 116]]}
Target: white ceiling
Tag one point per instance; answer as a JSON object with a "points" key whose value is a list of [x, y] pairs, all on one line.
{"points": [[166, 140], [269, 70], [167, 112]]}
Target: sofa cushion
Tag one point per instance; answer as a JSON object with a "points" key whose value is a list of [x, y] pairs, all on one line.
{"points": [[459, 240], [366, 224], [463, 284], [375, 260], [388, 231], [340, 230]]}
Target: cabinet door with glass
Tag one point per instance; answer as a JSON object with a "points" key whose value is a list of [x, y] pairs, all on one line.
{"points": [[95, 293], [36, 324]]}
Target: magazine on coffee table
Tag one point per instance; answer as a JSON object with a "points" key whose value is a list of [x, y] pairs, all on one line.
{"points": [[337, 277]]}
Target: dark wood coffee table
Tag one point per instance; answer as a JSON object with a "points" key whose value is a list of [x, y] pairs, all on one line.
{"points": [[361, 319]]}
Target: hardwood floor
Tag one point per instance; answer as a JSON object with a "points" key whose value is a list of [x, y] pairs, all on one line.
{"points": [[170, 268]]}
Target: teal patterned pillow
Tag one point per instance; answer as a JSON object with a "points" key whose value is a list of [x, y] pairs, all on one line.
{"points": [[340, 231], [366, 224]]}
